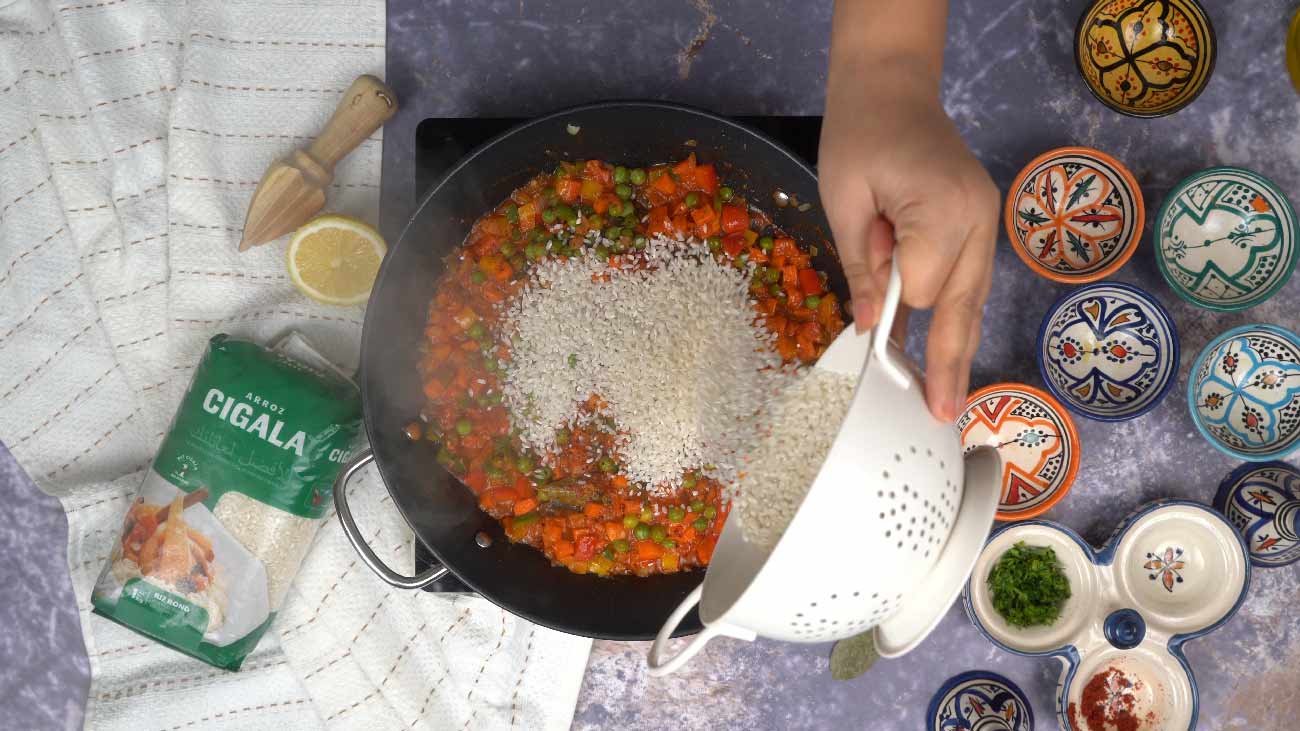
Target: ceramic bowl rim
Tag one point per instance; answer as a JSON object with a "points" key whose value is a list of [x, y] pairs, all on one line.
{"points": [[969, 675], [1175, 349], [1126, 251], [1228, 484], [1157, 238], [1212, 46], [1215, 342], [1072, 434]]}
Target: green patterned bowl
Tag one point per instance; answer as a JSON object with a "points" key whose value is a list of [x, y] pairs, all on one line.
{"points": [[1226, 239]]}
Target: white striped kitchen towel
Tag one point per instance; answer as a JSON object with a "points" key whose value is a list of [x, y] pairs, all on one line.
{"points": [[132, 133]]}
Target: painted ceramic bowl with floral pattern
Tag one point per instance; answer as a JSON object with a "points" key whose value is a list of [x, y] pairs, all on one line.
{"points": [[1108, 351], [1226, 239], [1036, 439], [1172, 571], [1244, 392], [1145, 58], [979, 699], [1074, 215], [1263, 501]]}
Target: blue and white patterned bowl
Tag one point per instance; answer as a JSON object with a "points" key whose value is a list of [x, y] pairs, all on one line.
{"points": [[1263, 501], [982, 700], [1108, 351], [1172, 571], [1244, 392], [1226, 239]]}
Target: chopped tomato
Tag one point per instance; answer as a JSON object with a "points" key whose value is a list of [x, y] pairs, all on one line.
{"points": [[733, 244], [734, 219], [810, 282]]}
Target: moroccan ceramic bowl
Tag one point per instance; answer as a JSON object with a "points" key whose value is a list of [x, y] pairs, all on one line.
{"points": [[1034, 436], [1108, 351], [1244, 392], [1172, 571], [1074, 215], [1145, 58], [982, 700], [1226, 239], [1263, 501]]}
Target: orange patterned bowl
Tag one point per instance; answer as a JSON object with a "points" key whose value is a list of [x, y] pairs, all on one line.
{"points": [[1145, 58], [1075, 215]]}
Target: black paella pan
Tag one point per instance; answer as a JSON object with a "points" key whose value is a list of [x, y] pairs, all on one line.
{"points": [[443, 513]]}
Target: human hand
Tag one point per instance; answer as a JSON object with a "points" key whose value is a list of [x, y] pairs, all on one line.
{"points": [[898, 182]]}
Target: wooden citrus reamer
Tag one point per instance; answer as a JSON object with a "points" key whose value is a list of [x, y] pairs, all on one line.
{"points": [[293, 188]]}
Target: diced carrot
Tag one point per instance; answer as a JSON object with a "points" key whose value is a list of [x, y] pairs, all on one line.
{"points": [[568, 189], [593, 510], [527, 505], [777, 324], [810, 281], [733, 244], [631, 506], [669, 563], [794, 296], [789, 276], [527, 216], [785, 348], [784, 246], [704, 551], [620, 482], [598, 171], [434, 389], [757, 255], [805, 348], [681, 224], [706, 179], [767, 306], [648, 550], [800, 261], [686, 168], [734, 219], [703, 214], [665, 184], [465, 317], [615, 530], [477, 480], [552, 531], [496, 225], [563, 549]]}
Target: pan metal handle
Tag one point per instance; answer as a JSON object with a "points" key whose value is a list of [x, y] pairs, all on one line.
{"points": [[368, 557]]}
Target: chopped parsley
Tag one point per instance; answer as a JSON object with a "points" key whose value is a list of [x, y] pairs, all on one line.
{"points": [[1028, 585]]}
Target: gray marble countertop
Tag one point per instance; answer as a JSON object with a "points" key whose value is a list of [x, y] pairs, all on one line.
{"points": [[1013, 90]]}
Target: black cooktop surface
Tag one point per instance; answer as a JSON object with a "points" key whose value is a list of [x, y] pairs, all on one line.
{"points": [[441, 141]]}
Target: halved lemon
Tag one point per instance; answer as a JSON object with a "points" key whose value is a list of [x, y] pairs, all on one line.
{"points": [[334, 259]]}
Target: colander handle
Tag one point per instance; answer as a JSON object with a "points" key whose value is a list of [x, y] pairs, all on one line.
{"points": [[659, 666], [880, 338]]}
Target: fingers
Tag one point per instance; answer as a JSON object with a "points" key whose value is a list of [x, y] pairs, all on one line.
{"points": [[851, 209], [954, 328]]}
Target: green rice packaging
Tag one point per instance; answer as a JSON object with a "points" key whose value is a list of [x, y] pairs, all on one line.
{"points": [[234, 497]]}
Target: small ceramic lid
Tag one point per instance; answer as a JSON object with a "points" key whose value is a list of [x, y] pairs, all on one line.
{"points": [[1036, 439], [1145, 58], [1074, 215], [1244, 392], [979, 699], [1108, 351], [1263, 502], [1226, 239]]}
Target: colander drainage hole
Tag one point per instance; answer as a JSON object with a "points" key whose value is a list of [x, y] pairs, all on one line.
{"points": [[885, 474], [898, 457], [856, 593]]}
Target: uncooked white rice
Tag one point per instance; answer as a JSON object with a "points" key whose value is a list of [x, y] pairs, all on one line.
{"points": [[674, 349], [779, 470], [277, 538]]}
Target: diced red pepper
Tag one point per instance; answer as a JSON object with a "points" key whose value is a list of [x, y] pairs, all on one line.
{"points": [[733, 244], [784, 247], [810, 282], [665, 184], [703, 215], [706, 179], [789, 276], [648, 550], [734, 219], [685, 169]]}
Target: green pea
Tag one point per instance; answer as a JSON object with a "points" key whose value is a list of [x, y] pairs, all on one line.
{"points": [[658, 533], [534, 251], [464, 427], [726, 193], [620, 174], [562, 436], [618, 246], [642, 531], [675, 514], [476, 330], [493, 471], [621, 545], [766, 243], [637, 176], [692, 200], [688, 480], [518, 263], [715, 244], [542, 474], [536, 234], [548, 216], [573, 360], [697, 506], [566, 213], [524, 463], [710, 512], [623, 190], [602, 251], [527, 518], [743, 259], [595, 220], [490, 364], [614, 210], [478, 277], [630, 521], [772, 275], [613, 232], [774, 289], [646, 515], [639, 241], [607, 465], [608, 553], [811, 301], [670, 544], [700, 524]]}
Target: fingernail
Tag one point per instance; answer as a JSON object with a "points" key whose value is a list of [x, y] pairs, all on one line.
{"points": [[864, 314]]}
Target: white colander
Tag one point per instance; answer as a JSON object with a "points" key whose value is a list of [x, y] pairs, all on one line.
{"points": [[885, 538]]}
